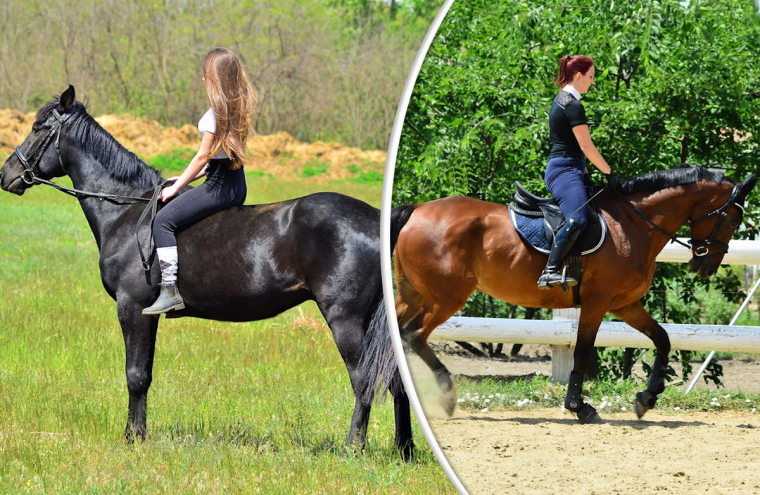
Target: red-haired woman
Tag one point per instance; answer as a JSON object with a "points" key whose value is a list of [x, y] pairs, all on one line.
{"points": [[221, 157], [566, 175]]}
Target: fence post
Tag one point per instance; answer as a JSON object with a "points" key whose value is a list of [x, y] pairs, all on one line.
{"points": [[562, 355]]}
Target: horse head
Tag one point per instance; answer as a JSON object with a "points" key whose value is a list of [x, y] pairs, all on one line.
{"points": [[713, 223], [34, 159]]}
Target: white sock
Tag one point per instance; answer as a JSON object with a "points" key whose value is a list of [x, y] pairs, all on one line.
{"points": [[169, 263]]}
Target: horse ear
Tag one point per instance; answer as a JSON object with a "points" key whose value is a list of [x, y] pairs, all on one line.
{"points": [[746, 188], [68, 98]]}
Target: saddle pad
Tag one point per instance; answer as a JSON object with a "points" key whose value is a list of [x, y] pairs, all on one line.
{"points": [[531, 229]]}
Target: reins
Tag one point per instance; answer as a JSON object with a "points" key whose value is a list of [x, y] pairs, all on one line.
{"points": [[30, 178], [698, 251]]}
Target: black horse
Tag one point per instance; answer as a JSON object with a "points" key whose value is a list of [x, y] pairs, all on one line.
{"points": [[246, 263]]}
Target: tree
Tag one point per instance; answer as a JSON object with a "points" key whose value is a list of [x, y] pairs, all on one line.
{"points": [[675, 84]]}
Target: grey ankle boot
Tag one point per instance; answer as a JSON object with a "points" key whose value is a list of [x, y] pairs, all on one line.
{"points": [[169, 298]]}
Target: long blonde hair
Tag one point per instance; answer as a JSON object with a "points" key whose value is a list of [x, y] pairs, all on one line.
{"points": [[233, 101]]}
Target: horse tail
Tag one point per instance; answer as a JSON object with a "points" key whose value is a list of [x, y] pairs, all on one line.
{"points": [[399, 216], [381, 373]]}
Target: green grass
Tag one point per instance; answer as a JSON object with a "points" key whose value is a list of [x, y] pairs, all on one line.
{"points": [[268, 190], [539, 392], [314, 168], [353, 168], [370, 178], [254, 173], [177, 161], [242, 408]]}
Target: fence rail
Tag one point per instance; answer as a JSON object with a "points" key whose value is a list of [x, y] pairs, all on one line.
{"points": [[722, 338], [561, 332]]}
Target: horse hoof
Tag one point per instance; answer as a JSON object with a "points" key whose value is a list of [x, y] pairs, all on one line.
{"points": [[588, 416], [448, 402], [407, 451], [350, 451], [448, 397], [645, 401]]}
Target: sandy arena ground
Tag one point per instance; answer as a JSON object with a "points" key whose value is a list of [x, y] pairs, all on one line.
{"points": [[547, 451]]}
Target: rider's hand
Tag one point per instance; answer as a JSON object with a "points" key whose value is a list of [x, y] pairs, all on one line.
{"points": [[167, 193], [612, 180]]}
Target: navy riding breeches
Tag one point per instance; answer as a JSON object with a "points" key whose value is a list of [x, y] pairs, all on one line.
{"points": [[564, 179], [222, 189]]}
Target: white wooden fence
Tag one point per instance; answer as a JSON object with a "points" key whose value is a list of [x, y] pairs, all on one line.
{"points": [[561, 332]]}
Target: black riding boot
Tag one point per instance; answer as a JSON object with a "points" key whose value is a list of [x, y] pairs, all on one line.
{"points": [[563, 242]]}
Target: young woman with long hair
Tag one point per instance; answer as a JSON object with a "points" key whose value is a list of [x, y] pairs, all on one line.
{"points": [[224, 128], [566, 174]]}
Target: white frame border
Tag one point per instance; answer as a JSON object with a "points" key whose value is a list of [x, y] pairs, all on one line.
{"points": [[385, 243]]}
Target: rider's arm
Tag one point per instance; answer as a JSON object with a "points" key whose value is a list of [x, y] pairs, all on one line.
{"points": [[195, 169], [588, 148]]}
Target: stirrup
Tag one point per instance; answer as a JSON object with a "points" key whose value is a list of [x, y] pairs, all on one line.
{"points": [[549, 280]]}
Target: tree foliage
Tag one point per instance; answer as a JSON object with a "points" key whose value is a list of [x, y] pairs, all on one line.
{"points": [[321, 73], [675, 83]]}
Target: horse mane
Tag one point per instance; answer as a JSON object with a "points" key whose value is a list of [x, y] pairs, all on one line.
{"points": [[121, 164], [663, 179]]}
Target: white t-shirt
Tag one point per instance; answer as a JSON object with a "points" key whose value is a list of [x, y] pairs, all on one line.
{"points": [[208, 124]]}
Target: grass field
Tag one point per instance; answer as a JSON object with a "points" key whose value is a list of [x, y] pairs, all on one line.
{"points": [[242, 408], [539, 391]]}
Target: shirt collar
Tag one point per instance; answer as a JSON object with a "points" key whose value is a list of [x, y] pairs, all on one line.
{"points": [[572, 91]]}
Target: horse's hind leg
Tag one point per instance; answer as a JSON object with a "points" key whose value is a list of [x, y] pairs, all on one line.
{"points": [[403, 415], [637, 317], [588, 326], [420, 310], [140, 344], [415, 332], [348, 332]]}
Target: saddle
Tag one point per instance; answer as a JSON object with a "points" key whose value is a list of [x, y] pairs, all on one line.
{"points": [[536, 219], [545, 212]]}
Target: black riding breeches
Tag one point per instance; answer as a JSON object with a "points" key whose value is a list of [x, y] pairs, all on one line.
{"points": [[223, 188]]}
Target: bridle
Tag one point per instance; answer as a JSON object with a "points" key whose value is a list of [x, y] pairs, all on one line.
{"points": [[28, 175], [35, 157], [30, 179], [723, 212], [703, 249]]}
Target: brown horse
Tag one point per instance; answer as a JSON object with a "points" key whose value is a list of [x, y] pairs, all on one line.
{"points": [[448, 248]]}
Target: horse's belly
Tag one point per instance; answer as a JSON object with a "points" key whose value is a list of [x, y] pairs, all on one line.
{"points": [[242, 307]]}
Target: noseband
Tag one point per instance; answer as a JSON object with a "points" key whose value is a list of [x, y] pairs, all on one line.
{"points": [[28, 175], [703, 249]]}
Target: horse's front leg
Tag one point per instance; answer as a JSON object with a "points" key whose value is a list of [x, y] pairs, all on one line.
{"points": [[637, 317], [588, 326], [140, 344]]}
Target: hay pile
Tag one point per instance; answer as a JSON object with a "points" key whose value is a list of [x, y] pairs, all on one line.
{"points": [[279, 154], [14, 127]]}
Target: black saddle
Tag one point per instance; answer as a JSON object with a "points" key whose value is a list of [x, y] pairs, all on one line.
{"points": [[530, 205]]}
